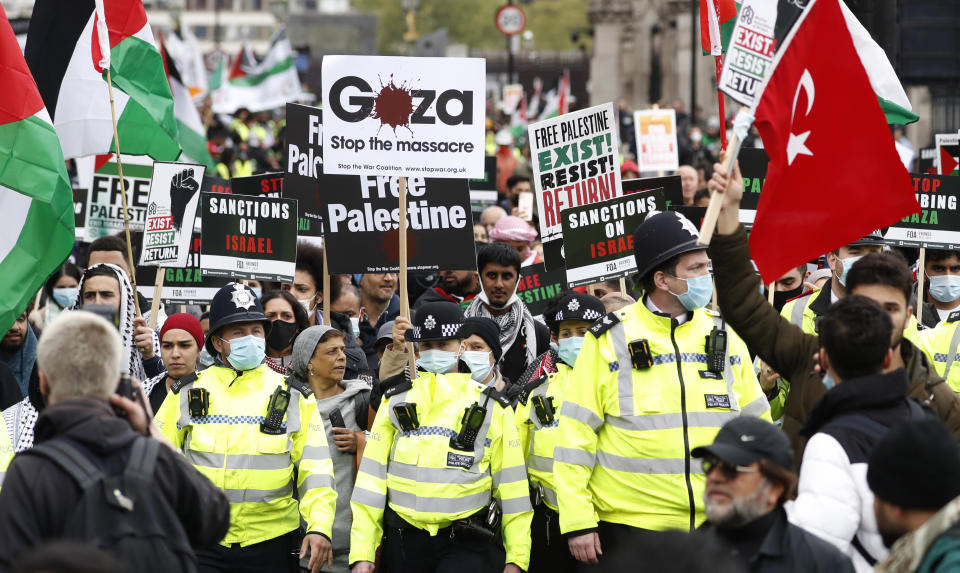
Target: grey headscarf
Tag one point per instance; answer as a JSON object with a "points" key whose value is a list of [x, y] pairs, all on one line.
{"points": [[304, 347]]}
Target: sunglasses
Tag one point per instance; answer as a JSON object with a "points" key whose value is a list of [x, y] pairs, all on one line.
{"points": [[729, 472]]}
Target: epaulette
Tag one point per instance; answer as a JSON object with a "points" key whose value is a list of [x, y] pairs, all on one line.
{"points": [[299, 386], [179, 384], [498, 396], [396, 384], [954, 316], [604, 324], [529, 387]]}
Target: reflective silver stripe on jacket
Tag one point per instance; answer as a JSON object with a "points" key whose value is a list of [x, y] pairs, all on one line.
{"points": [[796, 314], [954, 344], [373, 468], [670, 421], [647, 465], [421, 474], [258, 495], [447, 505], [238, 461], [574, 456], [581, 414], [314, 481], [369, 498], [618, 337], [508, 475]]}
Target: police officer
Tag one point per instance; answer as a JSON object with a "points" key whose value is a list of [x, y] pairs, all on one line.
{"points": [[653, 379], [442, 463], [941, 345], [538, 410], [253, 433]]}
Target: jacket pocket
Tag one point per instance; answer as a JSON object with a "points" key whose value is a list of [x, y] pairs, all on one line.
{"points": [[267, 444]]}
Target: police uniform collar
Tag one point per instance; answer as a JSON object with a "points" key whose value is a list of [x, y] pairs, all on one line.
{"points": [[649, 304]]}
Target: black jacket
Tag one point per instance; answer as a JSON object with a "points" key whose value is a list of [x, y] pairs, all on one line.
{"points": [[514, 362], [38, 496], [786, 548]]}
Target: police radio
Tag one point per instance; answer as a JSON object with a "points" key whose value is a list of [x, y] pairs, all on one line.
{"points": [[716, 348], [198, 402], [469, 427], [406, 413], [544, 409], [276, 408], [640, 354]]}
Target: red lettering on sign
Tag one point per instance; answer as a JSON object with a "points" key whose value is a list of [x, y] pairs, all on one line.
{"points": [[159, 223], [259, 245]]}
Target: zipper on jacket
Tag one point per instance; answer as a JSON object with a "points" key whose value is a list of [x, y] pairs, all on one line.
{"points": [[683, 414]]}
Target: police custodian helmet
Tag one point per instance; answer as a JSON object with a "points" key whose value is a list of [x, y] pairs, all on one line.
{"points": [[661, 237], [234, 303]]}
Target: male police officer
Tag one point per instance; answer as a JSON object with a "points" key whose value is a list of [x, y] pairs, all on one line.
{"points": [[540, 401], [653, 379], [441, 448], [241, 425]]}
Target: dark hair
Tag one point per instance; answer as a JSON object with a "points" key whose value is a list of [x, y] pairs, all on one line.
{"points": [[206, 315], [328, 335], [310, 260], [937, 255], [68, 557], [67, 269], [888, 269], [855, 332], [344, 289], [498, 253], [108, 243], [515, 179], [299, 313], [98, 271], [668, 266], [780, 475], [701, 194]]}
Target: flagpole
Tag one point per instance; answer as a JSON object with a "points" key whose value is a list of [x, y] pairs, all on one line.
{"points": [[921, 270], [723, 116], [123, 192], [402, 274]]}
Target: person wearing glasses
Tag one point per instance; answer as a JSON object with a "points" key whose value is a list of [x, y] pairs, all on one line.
{"points": [[749, 477]]}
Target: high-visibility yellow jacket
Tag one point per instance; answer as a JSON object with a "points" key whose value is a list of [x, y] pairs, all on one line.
{"points": [[540, 438], [626, 434], [429, 483], [941, 345], [253, 468], [6, 452], [805, 311]]}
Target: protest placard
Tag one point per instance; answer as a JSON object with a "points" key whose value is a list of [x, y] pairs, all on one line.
{"points": [[304, 150], [693, 214], [937, 225], [80, 214], [362, 224], [483, 191], [171, 210], [104, 202], [537, 286], [927, 160], [753, 168], [416, 117], [671, 186], [656, 132], [214, 184], [248, 237], [575, 162], [512, 94], [948, 153], [262, 185], [761, 25], [598, 237], [182, 285]]}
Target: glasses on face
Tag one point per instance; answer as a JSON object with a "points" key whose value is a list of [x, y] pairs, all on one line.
{"points": [[729, 472]]}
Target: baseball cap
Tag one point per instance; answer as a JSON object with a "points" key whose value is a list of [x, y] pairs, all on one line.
{"points": [[745, 440]]}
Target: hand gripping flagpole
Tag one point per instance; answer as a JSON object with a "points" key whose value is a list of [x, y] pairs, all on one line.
{"points": [[741, 128], [104, 39]]}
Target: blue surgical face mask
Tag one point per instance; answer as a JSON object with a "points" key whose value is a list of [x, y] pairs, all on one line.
{"points": [[570, 349], [828, 381], [355, 325], [847, 263], [437, 361], [479, 364], [945, 288], [205, 358], [555, 346], [257, 291], [699, 292], [246, 352], [64, 296]]}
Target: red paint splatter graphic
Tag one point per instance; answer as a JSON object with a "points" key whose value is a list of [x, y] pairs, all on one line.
{"points": [[393, 105], [391, 244]]}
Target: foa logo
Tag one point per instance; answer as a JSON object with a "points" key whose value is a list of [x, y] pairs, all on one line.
{"points": [[352, 99]]}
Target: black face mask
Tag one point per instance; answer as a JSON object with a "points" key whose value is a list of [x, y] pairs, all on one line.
{"points": [[281, 334], [781, 297]]}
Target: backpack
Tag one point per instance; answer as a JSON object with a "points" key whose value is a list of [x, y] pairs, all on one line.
{"points": [[126, 514]]}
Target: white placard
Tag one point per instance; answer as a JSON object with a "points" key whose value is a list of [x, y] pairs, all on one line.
{"points": [[415, 117], [656, 131], [171, 211]]}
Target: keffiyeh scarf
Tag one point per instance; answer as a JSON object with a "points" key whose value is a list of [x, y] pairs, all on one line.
{"points": [[516, 322]]}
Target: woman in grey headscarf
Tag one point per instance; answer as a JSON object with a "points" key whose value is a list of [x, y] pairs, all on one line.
{"points": [[319, 360]]}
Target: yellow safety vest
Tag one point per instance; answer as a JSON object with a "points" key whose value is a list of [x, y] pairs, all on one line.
{"points": [[241, 129], [223, 171], [539, 438], [431, 484], [799, 313], [941, 345], [243, 168], [253, 468], [6, 452], [626, 434]]}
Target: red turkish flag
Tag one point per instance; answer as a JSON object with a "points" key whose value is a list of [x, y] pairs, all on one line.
{"points": [[834, 173]]}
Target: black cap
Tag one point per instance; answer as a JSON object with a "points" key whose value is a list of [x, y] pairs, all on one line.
{"points": [[916, 465], [745, 440], [661, 237], [576, 306], [874, 238], [234, 303], [486, 329], [436, 321]]}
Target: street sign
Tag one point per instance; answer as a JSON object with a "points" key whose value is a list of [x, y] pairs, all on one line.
{"points": [[510, 20]]}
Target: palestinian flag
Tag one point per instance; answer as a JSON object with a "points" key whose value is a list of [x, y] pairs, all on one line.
{"points": [[262, 86], [557, 100], [948, 154], [717, 19], [193, 138], [36, 201], [65, 51]]}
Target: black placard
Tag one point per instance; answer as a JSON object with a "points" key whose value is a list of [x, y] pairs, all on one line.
{"points": [[670, 184], [262, 185], [753, 168], [362, 215], [304, 165], [538, 285], [937, 225], [483, 192], [80, 212]]}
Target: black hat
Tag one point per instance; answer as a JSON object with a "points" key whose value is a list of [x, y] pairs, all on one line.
{"points": [[486, 329], [916, 465], [661, 237], [874, 238], [436, 321], [576, 306], [234, 303], [745, 440]]}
